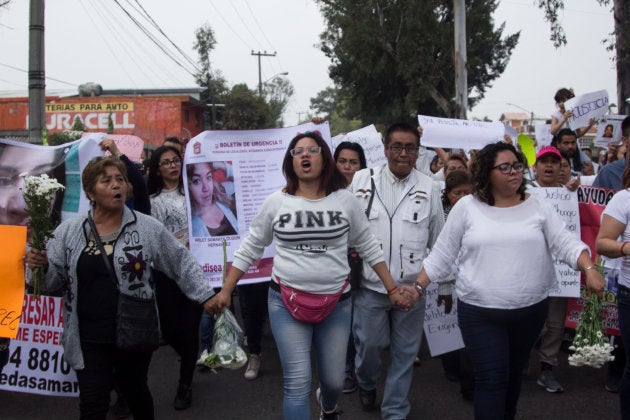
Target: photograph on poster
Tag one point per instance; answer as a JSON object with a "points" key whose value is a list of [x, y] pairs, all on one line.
{"points": [[212, 199]]}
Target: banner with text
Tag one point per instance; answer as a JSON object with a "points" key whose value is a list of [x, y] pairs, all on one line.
{"points": [[587, 106], [565, 203], [441, 329], [233, 172], [371, 142], [464, 134], [36, 364]]}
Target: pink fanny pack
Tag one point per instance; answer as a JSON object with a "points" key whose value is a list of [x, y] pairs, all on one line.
{"points": [[311, 308]]}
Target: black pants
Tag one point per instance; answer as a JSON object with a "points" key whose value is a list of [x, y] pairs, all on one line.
{"points": [[106, 365], [179, 322], [253, 301]]}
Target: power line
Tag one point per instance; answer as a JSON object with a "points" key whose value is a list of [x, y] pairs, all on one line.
{"points": [[258, 25], [26, 71], [228, 25], [244, 23]]}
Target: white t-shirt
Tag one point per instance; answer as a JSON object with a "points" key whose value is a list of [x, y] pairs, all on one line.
{"points": [[505, 254], [619, 209]]}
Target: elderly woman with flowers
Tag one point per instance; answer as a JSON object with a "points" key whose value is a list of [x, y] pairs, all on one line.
{"points": [[132, 242]]}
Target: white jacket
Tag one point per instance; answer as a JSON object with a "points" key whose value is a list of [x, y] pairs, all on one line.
{"points": [[406, 235]]}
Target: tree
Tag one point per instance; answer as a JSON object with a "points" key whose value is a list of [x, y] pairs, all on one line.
{"points": [[393, 59], [330, 105], [621, 44], [277, 93], [78, 125], [245, 110]]}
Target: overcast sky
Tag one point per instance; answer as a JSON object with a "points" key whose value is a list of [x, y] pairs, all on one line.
{"points": [[94, 41]]}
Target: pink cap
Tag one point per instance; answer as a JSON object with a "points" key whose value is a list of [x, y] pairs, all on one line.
{"points": [[548, 150]]}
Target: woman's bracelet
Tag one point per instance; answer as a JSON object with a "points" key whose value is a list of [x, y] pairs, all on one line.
{"points": [[392, 290], [590, 267], [622, 247]]}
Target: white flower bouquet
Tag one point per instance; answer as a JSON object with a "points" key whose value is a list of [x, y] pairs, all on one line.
{"points": [[590, 345], [38, 193]]}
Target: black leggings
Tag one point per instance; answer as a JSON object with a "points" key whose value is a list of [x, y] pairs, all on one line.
{"points": [[97, 379], [179, 322]]}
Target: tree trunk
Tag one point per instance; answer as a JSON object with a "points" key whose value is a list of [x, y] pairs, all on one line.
{"points": [[622, 38]]}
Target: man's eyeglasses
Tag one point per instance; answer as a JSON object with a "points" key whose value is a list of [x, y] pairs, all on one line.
{"points": [[298, 151], [506, 168], [411, 150], [167, 163]]}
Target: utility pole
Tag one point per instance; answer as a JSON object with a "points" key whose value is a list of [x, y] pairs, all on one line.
{"points": [[461, 62], [36, 73], [261, 54]]}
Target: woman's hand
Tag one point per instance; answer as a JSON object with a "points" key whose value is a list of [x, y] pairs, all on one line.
{"points": [[595, 282], [216, 303], [110, 146], [36, 259], [404, 297]]}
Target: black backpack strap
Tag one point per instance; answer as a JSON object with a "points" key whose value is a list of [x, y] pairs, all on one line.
{"points": [[369, 207]]}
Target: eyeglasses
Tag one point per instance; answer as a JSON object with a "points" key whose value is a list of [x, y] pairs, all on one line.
{"points": [[506, 168], [411, 150], [298, 151], [167, 163]]}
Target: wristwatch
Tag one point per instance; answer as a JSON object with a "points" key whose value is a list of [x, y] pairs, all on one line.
{"points": [[419, 288]]}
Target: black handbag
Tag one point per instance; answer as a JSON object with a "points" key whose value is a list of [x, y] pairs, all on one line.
{"points": [[137, 323]]}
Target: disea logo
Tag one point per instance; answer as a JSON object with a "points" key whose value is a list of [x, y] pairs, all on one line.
{"points": [[197, 148]]}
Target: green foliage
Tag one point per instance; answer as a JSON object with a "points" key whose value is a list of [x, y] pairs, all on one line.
{"points": [[332, 106], [245, 110], [63, 137], [277, 93], [393, 59], [78, 125], [110, 124]]}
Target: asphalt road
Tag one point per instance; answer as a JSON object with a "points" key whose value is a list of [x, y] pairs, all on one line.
{"points": [[227, 395]]}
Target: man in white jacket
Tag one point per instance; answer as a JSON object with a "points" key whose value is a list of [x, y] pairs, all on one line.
{"points": [[405, 214]]}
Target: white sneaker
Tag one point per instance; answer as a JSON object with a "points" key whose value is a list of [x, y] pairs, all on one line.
{"points": [[202, 358], [253, 367]]}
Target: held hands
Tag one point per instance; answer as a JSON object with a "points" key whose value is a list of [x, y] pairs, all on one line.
{"points": [[404, 298]]}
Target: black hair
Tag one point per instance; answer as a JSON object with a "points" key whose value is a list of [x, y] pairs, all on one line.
{"points": [[405, 128], [351, 146], [576, 159], [155, 183], [483, 165]]}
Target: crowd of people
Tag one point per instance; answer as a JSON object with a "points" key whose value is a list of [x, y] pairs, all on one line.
{"points": [[423, 216]]}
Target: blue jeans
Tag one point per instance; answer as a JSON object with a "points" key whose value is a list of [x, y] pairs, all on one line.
{"points": [[623, 314], [499, 342], [377, 325], [294, 340]]}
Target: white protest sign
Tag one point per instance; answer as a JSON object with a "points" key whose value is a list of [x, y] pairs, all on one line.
{"points": [[609, 130], [246, 166], [543, 135], [36, 364], [371, 142], [565, 203], [464, 134], [510, 131], [441, 329], [587, 106]]}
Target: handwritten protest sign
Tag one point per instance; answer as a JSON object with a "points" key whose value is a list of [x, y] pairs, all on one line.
{"points": [[543, 135], [587, 106], [249, 166], [371, 142], [12, 249], [464, 134], [441, 329], [36, 364], [565, 203], [609, 130]]}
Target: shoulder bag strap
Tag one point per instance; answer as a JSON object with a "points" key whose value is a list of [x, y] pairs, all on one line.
{"points": [[99, 243], [369, 207]]}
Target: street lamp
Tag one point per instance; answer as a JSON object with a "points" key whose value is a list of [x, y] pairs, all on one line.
{"points": [[531, 113], [260, 84]]}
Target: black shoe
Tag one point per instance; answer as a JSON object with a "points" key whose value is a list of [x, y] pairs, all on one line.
{"points": [[183, 398], [613, 381], [368, 399]]}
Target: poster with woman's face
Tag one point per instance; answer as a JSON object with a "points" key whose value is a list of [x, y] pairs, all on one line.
{"points": [[609, 130], [212, 199], [17, 159]]}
